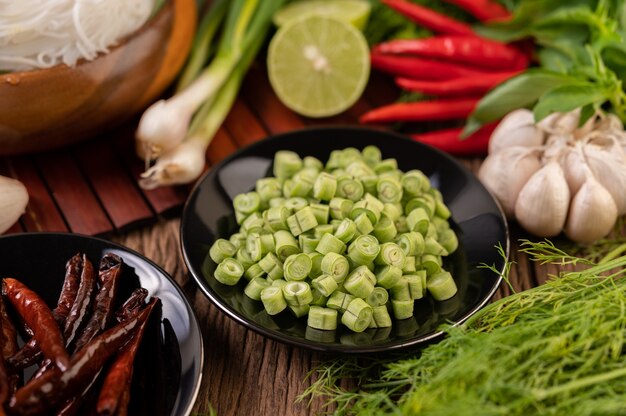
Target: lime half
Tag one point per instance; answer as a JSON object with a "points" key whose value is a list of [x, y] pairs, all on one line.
{"points": [[318, 65], [355, 12]]}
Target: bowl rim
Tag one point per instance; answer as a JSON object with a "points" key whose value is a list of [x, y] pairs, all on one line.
{"points": [[316, 346], [194, 321]]}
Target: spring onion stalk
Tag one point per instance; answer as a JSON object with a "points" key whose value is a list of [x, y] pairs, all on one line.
{"points": [[378, 297], [221, 249], [357, 316], [255, 287], [316, 264], [380, 317], [228, 272], [391, 254], [325, 284], [297, 267], [402, 309], [335, 265], [322, 229], [273, 299], [307, 243], [253, 272], [360, 283], [166, 130], [322, 318], [441, 286], [364, 249], [388, 276], [346, 230]]}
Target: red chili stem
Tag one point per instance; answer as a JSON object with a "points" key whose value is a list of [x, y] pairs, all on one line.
{"points": [[109, 274], [457, 86], [470, 50], [445, 109], [430, 19], [55, 387], [411, 67], [449, 140], [483, 10], [120, 374], [39, 317]]}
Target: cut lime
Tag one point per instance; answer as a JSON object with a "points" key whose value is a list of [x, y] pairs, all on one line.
{"points": [[355, 12], [318, 65]]}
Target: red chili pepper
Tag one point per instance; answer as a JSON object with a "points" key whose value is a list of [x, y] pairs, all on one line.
{"points": [[8, 347], [81, 307], [449, 140], [457, 86], [109, 273], [135, 301], [483, 10], [30, 353], [411, 67], [54, 387], [470, 50], [120, 374], [446, 109], [39, 317], [430, 19]]}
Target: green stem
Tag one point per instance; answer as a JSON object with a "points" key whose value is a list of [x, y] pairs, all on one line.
{"points": [[613, 253], [580, 383]]}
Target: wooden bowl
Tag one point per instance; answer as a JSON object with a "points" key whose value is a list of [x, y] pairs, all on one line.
{"points": [[48, 108]]}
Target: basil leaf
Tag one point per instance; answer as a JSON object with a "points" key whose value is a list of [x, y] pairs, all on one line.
{"points": [[567, 98], [586, 113], [519, 92]]}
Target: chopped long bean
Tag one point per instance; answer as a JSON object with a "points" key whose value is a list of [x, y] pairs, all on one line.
{"points": [[355, 238]]}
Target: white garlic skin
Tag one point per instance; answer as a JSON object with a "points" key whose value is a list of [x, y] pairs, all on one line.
{"points": [[516, 129], [592, 214], [609, 168], [541, 207], [574, 167], [13, 201], [505, 173]]}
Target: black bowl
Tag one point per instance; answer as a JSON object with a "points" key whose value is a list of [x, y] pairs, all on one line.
{"points": [[479, 222], [168, 367]]}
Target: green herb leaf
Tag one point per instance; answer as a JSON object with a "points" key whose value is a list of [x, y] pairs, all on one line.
{"points": [[567, 98], [519, 92]]}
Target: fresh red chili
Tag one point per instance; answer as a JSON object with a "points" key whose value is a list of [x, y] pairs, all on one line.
{"points": [[470, 50], [483, 10], [82, 304], [54, 387], [449, 140], [444, 109], [412, 67], [39, 317], [109, 273], [430, 19], [472, 86], [30, 353], [120, 373]]}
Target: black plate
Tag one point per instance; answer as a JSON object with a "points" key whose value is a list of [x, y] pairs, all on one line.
{"points": [[168, 367], [480, 223]]}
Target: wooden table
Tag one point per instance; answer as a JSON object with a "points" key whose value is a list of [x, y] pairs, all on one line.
{"points": [[244, 373]]}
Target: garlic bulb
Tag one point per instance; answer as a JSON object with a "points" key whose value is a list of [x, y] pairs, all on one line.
{"points": [[541, 207], [516, 129], [13, 201], [592, 213], [506, 172], [609, 168]]}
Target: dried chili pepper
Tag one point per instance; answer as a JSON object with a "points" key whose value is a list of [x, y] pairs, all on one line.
{"points": [[30, 353], [449, 140], [470, 50], [9, 334], [39, 317], [471, 86], [411, 67], [55, 387], [444, 109], [483, 10], [8, 344], [120, 373], [81, 307], [430, 19], [135, 301], [109, 273]]}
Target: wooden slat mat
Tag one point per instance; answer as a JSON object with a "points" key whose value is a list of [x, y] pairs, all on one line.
{"points": [[91, 188]]}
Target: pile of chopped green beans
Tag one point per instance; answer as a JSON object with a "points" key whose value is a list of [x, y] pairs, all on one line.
{"points": [[356, 240]]}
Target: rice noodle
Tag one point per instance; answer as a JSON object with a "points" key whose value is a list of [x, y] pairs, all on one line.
{"points": [[44, 33]]}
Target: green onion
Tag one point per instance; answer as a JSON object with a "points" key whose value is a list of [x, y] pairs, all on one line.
{"points": [[371, 155], [385, 230], [378, 297], [389, 189], [363, 249], [330, 244], [286, 164], [339, 300], [325, 284], [441, 210], [318, 298], [273, 299], [409, 265], [243, 257], [320, 230], [414, 182], [340, 208], [402, 309], [322, 318], [253, 271], [346, 230], [276, 218], [369, 183], [360, 283], [412, 243], [335, 265], [380, 317], [296, 204], [238, 240], [321, 212], [228, 272], [349, 188], [431, 263], [449, 241], [386, 166], [297, 267], [363, 224], [277, 202], [247, 203], [388, 276], [316, 264], [325, 187], [268, 188], [418, 220], [313, 163], [272, 266], [285, 244], [303, 220], [431, 246], [307, 243], [299, 310], [391, 254]]}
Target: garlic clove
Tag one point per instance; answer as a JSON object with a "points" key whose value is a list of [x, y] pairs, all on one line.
{"points": [[555, 146], [574, 167], [585, 129], [541, 207], [182, 164], [516, 129], [609, 168], [592, 213], [547, 124], [505, 173], [13, 201]]}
